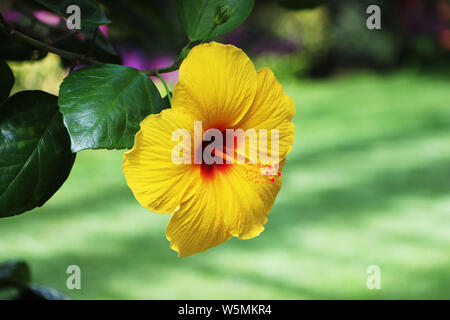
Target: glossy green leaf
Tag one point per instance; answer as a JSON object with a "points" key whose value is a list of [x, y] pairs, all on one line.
{"points": [[91, 13], [14, 273], [103, 105], [300, 4], [197, 16], [35, 156], [6, 81]]}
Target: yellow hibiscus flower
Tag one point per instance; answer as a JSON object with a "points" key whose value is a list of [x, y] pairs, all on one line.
{"points": [[211, 203]]}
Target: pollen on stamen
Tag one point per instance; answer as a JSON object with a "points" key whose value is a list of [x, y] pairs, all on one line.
{"points": [[263, 172]]}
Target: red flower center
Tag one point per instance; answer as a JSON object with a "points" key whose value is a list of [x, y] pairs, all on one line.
{"points": [[208, 170]]}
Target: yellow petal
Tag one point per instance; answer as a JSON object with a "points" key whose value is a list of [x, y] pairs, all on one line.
{"points": [[271, 109], [251, 202], [156, 181], [217, 84], [198, 223], [230, 204]]}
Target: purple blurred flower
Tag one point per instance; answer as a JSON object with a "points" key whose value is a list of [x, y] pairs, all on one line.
{"points": [[104, 30], [137, 59], [274, 46], [236, 37], [13, 16], [80, 66], [162, 62], [47, 17]]}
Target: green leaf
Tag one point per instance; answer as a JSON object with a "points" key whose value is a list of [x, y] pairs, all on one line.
{"points": [[6, 81], [197, 16], [35, 156], [103, 105], [301, 4], [14, 273], [90, 10]]}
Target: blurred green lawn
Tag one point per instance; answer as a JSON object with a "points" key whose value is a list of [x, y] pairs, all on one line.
{"points": [[367, 183]]}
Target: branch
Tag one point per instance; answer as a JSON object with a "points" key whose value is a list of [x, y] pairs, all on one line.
{"points": [[62, 53], [47, 47], [210, 33]]}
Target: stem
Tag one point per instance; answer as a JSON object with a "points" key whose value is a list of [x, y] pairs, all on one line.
{"points": [[165, 87], [155, 72], [210, 33], [91, 46]]}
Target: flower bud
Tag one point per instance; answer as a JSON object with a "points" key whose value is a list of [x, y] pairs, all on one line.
{"points": [[223, 14]]}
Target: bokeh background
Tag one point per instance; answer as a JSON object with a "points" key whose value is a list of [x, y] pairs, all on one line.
{"points": [[367, 182]]}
